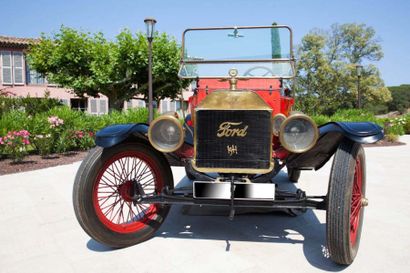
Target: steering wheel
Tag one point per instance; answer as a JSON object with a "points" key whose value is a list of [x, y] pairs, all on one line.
{"points": [[249, 71]]}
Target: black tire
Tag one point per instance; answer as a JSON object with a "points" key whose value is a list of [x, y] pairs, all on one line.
{"points": [[100, 175], [345, 202], [293, 175]]}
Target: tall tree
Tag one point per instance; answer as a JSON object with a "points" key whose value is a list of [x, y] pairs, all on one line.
{"points": [[327, 78], [92, 65]]}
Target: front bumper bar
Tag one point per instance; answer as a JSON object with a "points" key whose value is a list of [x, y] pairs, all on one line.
{"points": [[283, 200]]}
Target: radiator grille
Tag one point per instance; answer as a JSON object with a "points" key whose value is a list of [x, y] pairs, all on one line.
{"points": [[244, 141]]}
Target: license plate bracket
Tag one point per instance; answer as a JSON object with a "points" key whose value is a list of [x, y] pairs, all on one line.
{"points": [[242, 191]]}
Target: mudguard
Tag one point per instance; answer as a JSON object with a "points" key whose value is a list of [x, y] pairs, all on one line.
{"points": [[330, 136], [115, 134]]}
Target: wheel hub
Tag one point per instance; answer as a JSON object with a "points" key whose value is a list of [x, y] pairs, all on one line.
{"points": [[125, 190], [365, 202]]}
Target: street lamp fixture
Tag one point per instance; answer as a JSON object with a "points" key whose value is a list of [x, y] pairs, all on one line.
{"points": [[359, 70], [150, 24]]}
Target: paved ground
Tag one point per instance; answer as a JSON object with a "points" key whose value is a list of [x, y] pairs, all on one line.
{"points": [[39, 232]]}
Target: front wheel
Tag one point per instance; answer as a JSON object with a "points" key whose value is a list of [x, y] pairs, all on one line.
{"points": [[346, 201], [102, 194]]}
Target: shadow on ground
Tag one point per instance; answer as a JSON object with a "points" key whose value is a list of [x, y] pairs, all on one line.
{"points": [[211, 223]]}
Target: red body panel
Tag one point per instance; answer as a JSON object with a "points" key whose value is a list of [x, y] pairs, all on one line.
{"points": [[267, 89]]}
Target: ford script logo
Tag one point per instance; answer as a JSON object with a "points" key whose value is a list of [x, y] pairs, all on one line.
{"points": [[231, 129]]}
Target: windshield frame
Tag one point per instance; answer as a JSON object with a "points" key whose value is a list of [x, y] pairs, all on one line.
{"points": [[291, 60]]}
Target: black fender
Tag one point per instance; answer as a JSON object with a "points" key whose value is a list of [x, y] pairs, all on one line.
{"points": [[330, 136], [115, 134]]}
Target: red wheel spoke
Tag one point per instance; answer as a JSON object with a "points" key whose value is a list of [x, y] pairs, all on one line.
{"points": [[111, 206], [124, 173], [148, 182], [142, 173], [115, 176], [135, 163], [117, 211], [108, 198], [356, 209], [136, 171], [356, 202], [119, 173], [104, 180]]}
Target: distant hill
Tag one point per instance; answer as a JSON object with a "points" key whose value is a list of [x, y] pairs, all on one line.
{"points": [[401, 98]]}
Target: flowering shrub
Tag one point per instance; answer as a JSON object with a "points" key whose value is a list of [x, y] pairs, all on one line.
{"points": [[407, 124], [55, 121], [396, 126], [83, 140], [43, 144], [15, 143]]}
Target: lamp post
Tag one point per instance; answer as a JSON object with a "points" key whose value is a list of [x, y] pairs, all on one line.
{"points": [[359, 69], [150, 24]]}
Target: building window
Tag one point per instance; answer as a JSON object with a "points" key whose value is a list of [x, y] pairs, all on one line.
{"points": [[98, 106], [18, 70], [103, 107], [129, 104], [12, 67], [164, 106], [6, 74], [140, 103], [79, 104], [33, 77], [65, 102]]}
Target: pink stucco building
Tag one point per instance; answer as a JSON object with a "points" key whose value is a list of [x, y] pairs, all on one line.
{"points": [[18, 80]]}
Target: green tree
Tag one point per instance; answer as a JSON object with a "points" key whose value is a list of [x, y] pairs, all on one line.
{"points": [[90, 64], [401, 98], [327, 60]]}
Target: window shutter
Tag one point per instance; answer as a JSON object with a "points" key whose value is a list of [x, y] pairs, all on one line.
{"points": [[28, 74], [173, 108], [163, 106], [103, 106], [93, 106], [6, 67], [129, 104], [18, 67]]}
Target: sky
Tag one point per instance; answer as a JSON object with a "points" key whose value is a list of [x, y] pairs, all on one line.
{"points": [[390, 19]]}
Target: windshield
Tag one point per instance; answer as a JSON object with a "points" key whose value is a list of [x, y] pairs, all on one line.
{"points": [[256, 52]]}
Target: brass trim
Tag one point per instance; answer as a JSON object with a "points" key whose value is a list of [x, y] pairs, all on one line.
{"points": [[301, 116], [233, 100], [168, 116], [276, 133]]}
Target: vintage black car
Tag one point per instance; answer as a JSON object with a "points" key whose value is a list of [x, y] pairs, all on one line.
{"points": [[239, 133]]}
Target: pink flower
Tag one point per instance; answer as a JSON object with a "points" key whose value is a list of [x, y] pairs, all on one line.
{"points": [[1, 141], [55, 121], [26, 141]]}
